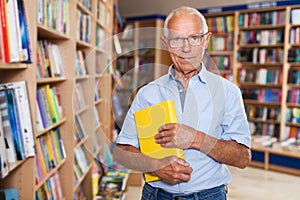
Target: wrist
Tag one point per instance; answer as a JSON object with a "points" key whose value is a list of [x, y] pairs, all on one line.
{"points": [[198, 140]]}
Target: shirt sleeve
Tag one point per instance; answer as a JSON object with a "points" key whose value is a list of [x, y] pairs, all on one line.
{"points": [[235, 125]]}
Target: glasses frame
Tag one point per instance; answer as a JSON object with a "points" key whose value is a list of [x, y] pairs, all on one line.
{"points": [[201, 35]]}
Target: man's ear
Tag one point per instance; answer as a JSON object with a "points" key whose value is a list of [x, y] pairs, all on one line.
{"points": [[164, 41], [208, 35]]}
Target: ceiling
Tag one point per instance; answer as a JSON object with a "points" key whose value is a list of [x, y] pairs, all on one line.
{"points": [[130, 8]]}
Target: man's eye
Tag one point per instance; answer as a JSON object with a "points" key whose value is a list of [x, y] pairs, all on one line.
{"points": [[194, 38]]}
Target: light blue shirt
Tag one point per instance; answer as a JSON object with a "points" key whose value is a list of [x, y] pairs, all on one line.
{"points": [[212, 105]]}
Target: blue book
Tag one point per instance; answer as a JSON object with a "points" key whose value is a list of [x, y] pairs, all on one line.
{"points": [[15, 123], [9, 194], [24, 32]]}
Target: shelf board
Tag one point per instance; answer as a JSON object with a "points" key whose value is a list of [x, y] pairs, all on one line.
{"points": [[81, 142], [255, 102], [98, 101], [82, 77], [50, 80], [256, 85], [15, 165], [295, 25], [82, 44], [49, 33], [263, 27], [295, 64], [63, 120], [11, 66], [264, 121], [292, 124], [97, 127], [220, 53], [86, 107], [279, 45], [82, 178], [277, 64], [295, 45], [293, 86], [48, 175], [83, 9]]}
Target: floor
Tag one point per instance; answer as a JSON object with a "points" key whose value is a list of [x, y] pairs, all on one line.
{"points": [[251, 184]]}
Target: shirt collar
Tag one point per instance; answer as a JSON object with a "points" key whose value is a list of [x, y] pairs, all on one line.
{"points": [[201, 74]]}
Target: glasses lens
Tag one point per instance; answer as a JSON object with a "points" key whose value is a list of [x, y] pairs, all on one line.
{"points": [[195, 39], [176, 42]]}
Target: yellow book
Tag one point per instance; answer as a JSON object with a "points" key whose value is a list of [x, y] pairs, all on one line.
{"points": [[148, 120]]}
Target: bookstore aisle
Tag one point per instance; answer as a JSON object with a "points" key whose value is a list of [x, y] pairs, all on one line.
{"points": [[250, 184]]}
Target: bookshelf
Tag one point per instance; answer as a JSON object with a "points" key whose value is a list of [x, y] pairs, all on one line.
{"points": [[79, 71], [142, 58], [222, 47], [265, 67]]}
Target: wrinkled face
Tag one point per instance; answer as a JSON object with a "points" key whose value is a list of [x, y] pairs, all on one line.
{"points": [[186, 41]]}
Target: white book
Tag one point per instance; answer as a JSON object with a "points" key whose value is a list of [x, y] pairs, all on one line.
{"points": [[23, 107], [38, 122], [58, 64], [295, 16], [3, 158], [15, 44], [10, 146]]}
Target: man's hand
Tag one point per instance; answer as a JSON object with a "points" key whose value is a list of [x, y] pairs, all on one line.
{"points": [[174, 170], [176, 135]]}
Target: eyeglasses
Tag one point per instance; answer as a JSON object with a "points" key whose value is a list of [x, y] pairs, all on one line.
{"points": [[194, 40]]}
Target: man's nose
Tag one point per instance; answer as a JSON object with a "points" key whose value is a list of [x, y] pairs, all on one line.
{"points": [[186, 45]]}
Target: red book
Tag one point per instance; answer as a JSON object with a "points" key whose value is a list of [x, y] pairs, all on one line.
{"points": [[4, 27]]}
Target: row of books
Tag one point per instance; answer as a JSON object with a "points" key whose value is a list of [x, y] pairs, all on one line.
{"points": [[295, 35], [102, 13], [262, 37], [81, 64], [223, 62], [98, 95], [221, 43], [49, 61], [9, 194], [294, 76], [262, 95], [54, 14], [260, 76], [16, 132], [14, 43], [221, 25], [293, 96], [264, 129], [78, 98], [80, 132], [295, 16], [294, 55], [261, 18], [51, 189], [48, 109], [100, 37], [293, 115], [261, 55], [83, 27], [86, 3], [125, 64], [81, 164], [263, 113], [50, 153], [292, 132]]}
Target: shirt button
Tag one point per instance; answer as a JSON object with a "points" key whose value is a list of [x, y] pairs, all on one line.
{"points": [[180, 90]]}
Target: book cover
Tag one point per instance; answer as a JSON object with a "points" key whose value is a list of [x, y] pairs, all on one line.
{"points": [[9, 194], [23, 111], [148, 120]]}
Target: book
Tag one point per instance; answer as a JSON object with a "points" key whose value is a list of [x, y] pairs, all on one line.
{"points": [[9, 194], [148, 120]]}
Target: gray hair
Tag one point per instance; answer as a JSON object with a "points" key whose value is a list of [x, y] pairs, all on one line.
{"points": [[184, 10]]}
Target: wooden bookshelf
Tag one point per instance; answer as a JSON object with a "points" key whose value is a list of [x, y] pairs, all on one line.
{"points": [[98, 78]]}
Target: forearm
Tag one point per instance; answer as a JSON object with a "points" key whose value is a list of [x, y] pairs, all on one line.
{"points": [[227, 152], [131, 158]]}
